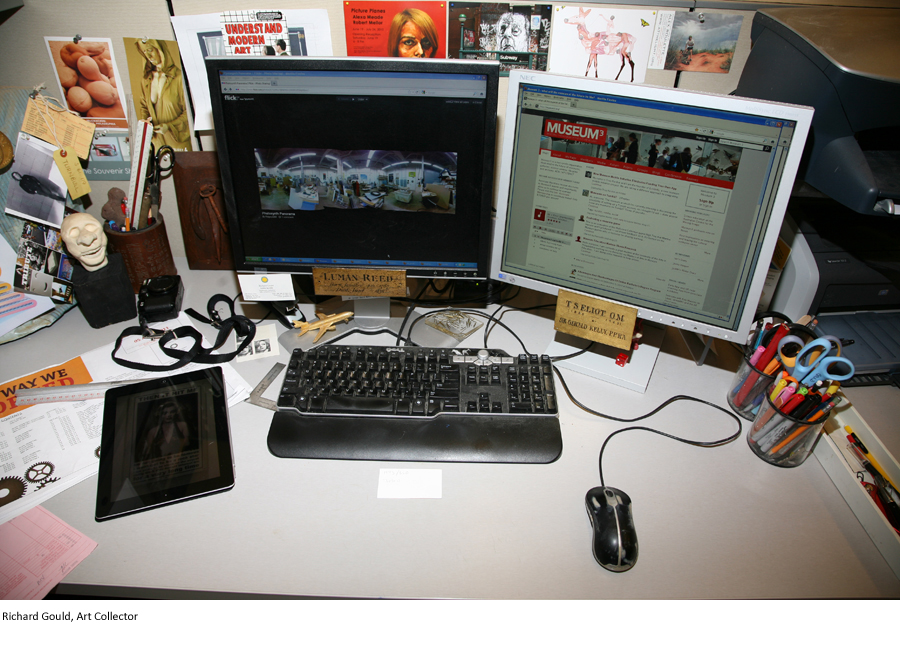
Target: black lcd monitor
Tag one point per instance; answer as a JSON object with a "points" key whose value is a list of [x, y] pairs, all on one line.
{"points": [[357, 162]]}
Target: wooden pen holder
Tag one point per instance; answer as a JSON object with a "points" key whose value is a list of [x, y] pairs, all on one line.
{"points": [[146, 252]]}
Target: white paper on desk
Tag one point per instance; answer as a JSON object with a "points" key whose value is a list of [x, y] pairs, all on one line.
{"points": [[201, 35], [47, 448], [38, 550], [410, 484]]}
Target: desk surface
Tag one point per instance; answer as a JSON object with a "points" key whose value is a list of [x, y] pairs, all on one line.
{"points": [[712, 523]]}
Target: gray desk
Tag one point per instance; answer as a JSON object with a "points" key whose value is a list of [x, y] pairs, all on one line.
{"points": [[712, 523]]}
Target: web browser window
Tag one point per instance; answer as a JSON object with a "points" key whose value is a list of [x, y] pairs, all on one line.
{"points": [[654, 204]]}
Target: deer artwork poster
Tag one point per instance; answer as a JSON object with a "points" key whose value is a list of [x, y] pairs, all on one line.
{"points": [[601, 42]]}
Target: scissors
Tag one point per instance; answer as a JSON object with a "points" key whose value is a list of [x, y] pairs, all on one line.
{"points": [[788, 360], [161, 161], [815, 363]]}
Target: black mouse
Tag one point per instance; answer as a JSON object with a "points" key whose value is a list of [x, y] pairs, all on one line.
{"points": [[615, 542]]}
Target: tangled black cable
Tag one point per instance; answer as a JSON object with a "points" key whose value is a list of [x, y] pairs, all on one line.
{"points": [[672, 400]]}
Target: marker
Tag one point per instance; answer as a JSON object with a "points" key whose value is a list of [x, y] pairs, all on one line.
{"points": [[851, 436]]}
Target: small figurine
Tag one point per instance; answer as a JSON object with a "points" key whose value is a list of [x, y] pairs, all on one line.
{"points": [[324, 324], [114, 208], [100, 281], [85, 240]]}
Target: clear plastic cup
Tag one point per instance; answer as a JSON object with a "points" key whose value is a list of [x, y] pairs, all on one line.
{"points": [[783, 440], [748, 389]]}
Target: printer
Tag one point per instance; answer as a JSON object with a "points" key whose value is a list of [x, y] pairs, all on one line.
{"points": [[843, 222]]}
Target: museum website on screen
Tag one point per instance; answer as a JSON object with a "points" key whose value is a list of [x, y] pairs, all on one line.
{"points": [[639, 230]]}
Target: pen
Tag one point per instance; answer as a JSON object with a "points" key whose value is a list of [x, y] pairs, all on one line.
{"points": [[800, 430], [772, 347], [891, 509], [852, 437]]}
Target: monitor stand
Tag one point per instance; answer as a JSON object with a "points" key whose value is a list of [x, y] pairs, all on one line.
{"points": [[600, 361], [370, 316]]}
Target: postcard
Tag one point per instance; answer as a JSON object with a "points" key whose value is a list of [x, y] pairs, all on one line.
{"points": [[88, 77], [404, 29], [518, 35], [696, 42], [37, 190], [601, 42], [157, 86]]}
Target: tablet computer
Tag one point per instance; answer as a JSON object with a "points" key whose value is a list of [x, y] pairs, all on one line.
{"points": [[164, 440]]}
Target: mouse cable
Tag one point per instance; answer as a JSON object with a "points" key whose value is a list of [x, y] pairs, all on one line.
{"points": [[671, 400]]}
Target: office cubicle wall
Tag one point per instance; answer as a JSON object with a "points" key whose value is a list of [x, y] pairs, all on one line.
{"points": [[27, 64]]}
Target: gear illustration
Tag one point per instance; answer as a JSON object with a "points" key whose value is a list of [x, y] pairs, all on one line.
{"points": [[11, 488], [40, 473]]}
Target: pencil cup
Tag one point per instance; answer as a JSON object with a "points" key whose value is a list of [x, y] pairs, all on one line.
{"points": [[146, 252], [748, 389], [782, 440]]}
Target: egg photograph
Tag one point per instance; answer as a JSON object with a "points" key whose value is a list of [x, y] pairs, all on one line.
{"points": [[89, 79]]}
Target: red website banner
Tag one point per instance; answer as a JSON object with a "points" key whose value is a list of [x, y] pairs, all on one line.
{"points": [[577, 132], [653, 171]]}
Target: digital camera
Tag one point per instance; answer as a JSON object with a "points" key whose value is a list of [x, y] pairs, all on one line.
{"points": [[160, 298]]}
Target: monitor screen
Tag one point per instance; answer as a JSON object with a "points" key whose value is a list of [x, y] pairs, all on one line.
{"points": [[357, 163], [662, 199]]}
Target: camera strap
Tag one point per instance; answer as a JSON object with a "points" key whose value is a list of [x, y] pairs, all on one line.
{"points": [[242, 325]]}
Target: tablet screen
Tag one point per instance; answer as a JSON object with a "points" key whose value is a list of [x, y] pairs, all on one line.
{"points": [[164, 440]]}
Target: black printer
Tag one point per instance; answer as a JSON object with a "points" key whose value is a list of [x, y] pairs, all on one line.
{"points": [[845, 63]]}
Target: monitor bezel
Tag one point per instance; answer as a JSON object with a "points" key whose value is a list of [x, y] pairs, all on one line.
{"points": [[359, 64], [801, 114]]}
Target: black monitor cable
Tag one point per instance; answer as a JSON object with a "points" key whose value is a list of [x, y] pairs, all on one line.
{"points": [[587, 409]]}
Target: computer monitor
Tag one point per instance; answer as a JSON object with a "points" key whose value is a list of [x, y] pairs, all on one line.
{"points": [[684, 233], [358, 163]]}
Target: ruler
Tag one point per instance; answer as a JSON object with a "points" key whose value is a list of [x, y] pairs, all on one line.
{"points": [[74, 393], [256, 395]]}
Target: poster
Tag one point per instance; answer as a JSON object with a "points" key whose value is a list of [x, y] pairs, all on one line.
{"points": [[601, 42], [405, 29], [87, 75], [157, 88], [516, 35], [255, 32], [309, 34]]}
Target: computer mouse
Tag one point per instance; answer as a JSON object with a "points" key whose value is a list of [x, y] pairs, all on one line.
{"points": [[615, 542]]}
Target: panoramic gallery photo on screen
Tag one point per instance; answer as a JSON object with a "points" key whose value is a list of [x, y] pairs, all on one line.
{"points": [[304, 179]]}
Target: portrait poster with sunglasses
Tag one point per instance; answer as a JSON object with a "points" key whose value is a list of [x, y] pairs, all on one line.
{"points": [[406, 29]]}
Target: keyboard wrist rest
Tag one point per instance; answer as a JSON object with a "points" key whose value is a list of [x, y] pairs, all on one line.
{"points": [[447, 438]]}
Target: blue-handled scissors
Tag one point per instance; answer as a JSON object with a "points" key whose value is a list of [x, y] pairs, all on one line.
{"points": [[788, 360], [809, 355], [829, 369]]}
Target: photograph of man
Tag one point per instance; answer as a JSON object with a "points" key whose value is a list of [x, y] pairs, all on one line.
{"points": [[412, 34], [281, 48]]}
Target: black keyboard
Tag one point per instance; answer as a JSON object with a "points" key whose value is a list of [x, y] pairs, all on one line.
{"points": [[417, 404]]}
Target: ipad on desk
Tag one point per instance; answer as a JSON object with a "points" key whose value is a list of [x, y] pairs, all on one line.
{"points": [[164, 440]]}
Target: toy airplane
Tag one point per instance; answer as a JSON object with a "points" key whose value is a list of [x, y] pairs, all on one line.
{"points": [[324, 324]]}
